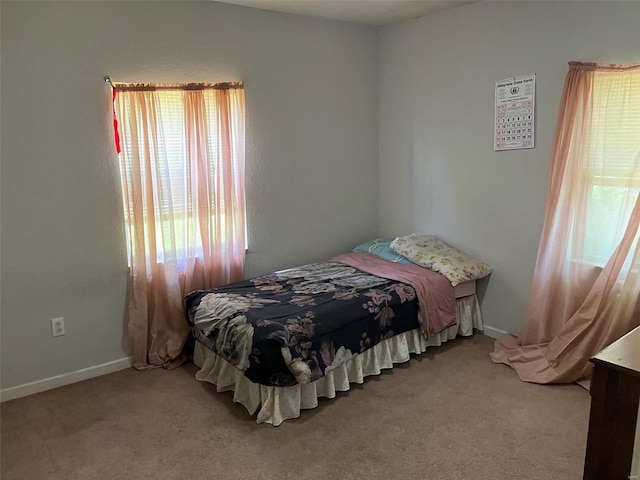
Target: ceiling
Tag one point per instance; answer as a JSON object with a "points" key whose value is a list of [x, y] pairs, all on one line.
{"points": [[370, 12]]}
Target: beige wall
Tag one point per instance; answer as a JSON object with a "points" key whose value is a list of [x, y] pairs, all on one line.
{"points": [[438, 171], [312, 176]]}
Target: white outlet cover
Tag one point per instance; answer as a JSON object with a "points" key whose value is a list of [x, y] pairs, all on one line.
{"points": [[57, 326]]}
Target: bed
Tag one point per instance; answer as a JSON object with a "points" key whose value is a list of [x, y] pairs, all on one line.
{"points": [[281, 341]]}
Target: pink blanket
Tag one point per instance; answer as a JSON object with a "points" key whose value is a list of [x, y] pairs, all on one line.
{"points": [[436, 296]]}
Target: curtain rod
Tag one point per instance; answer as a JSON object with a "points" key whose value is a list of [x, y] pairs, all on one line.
{"points": [[142, 87], [603, 66]]}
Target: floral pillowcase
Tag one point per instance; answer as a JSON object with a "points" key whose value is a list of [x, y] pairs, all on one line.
{"points": [[432, 253]]}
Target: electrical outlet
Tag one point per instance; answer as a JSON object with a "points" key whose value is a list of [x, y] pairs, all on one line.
{"points": [[57, 326]]}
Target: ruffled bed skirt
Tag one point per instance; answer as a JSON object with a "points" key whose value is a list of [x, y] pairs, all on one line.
{"points": [[277, 404]]}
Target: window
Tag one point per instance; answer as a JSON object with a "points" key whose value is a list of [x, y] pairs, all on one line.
{"points": [[611, 163], [183, 182], [182, 173]]}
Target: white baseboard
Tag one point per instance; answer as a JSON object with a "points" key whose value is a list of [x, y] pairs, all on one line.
{"points": [[64, 379], [493, 332], [110, 367]]}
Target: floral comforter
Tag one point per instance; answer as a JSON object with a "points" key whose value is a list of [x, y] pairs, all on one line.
{"points": [[311, 319]]}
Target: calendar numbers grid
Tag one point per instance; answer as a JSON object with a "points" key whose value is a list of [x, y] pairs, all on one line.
{"points": [[515, 113]]}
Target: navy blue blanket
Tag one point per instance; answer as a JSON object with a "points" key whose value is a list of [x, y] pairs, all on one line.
{"points": [[321, 314]]}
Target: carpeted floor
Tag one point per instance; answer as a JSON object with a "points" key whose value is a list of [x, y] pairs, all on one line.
{"points": [[448, 414]]}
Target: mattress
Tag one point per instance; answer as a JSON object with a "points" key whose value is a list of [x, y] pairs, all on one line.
{"points": [[295, 325], [465, 289]]}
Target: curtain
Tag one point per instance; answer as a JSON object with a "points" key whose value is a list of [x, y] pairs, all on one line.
{"points": [[182, 172], [586, 285]]}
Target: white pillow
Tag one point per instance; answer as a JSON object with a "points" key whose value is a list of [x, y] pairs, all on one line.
{"points": [[432, 253]]}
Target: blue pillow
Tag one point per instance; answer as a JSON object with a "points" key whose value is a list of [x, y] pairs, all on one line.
{"points": [[380, 248]]}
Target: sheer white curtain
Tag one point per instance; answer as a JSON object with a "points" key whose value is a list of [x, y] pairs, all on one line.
{"points": [[586, 285], [182, 171]]}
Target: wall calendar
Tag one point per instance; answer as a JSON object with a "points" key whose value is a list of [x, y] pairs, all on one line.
{"points": [[514, 126]]}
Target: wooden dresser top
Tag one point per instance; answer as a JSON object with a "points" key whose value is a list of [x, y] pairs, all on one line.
{"points": [[623, 354]]}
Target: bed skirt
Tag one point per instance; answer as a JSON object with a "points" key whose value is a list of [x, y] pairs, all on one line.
{"points": [[277, 404]]}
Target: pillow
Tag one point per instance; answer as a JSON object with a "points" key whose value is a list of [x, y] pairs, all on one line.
{"points": [[432, 253], [380, 248]]}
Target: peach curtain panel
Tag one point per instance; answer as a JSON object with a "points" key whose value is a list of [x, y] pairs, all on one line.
{"points": [[182, 171], [586, 285]]}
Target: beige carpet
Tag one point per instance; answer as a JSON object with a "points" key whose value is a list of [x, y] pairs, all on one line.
{"points": [[448, 414]]}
